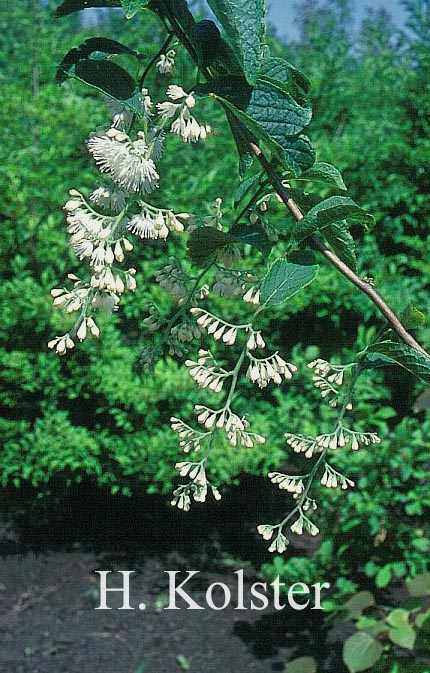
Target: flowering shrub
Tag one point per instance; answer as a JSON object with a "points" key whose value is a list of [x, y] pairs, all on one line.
{"points": [[259, 259]]}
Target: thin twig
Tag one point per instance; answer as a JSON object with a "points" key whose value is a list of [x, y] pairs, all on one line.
{"points": [[344, 269], [155, 58]]}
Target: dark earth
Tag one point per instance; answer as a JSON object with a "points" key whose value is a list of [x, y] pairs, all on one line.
{"points": [[50, 548]]}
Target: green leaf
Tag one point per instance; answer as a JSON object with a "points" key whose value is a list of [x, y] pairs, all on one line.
{"points": [[361, 652], [328, 212], [301, 665], [281, 70], [246, 158], [419, 585], [69, 6], [412, 360], [133, 6], [206, 40], [269, 114], [300, 154], [254, 235], [404, 637], [338, 208], [243, 21], [421, 619], [204, 242], [342, 243], [278, 112], [304, 258], [359, 602], [326, 173], [102, 47], [421, 544], [399, 567], [374, 630], [183, 662], [89, 63], [398, 618], [383, 576], [107, 77], [414, 508], [246, 186], [283, 280], [411, 317]]}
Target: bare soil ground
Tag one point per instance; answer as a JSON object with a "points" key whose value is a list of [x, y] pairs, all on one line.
{"points": [[49, 624], [49, 591]]}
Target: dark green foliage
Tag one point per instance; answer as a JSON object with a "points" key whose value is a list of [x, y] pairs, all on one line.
{"points": [[204, 242], [89, 63], [398, 353], [207, 41], [244, 24]]}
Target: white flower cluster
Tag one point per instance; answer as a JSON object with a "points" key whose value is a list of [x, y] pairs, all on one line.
{"points": [[304, 524], [273, 368], [65, 342], [154, 223], [309, 503], [195, 471], [198, 491], [189, 439], [184, 124], [252, 296], [197, 488], [236, 428], [280, 542], [332, 479], [286, 482], [333, 440], [205, 372], [62, 344], [216, 327], [326, 376], [82, 298], [93, 236], [166, 62], [219, 329], [70, 301], [302, 444], [99, 236], [129, 163]]}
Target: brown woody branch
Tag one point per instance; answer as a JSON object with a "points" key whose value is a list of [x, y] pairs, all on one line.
{"points": [[343, 268]]}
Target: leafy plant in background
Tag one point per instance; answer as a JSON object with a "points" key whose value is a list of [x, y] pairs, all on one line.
{"points": [[266, 106], [368, 648]]}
